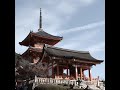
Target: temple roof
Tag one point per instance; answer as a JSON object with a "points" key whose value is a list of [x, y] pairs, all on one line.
{"points": [[70, 54], [42, 37], [47, 35], [64, 53]]}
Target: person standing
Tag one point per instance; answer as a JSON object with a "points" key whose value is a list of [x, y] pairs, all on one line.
{"points": [[79, 81], [25, 86]]}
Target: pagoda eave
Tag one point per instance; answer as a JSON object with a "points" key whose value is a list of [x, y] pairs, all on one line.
{"points": [[30, 51], [26, 43], [32, 38]]}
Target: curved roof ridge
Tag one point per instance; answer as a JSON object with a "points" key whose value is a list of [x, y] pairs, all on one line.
{"points": [[68, 50], [45, 33], [94, 57]]}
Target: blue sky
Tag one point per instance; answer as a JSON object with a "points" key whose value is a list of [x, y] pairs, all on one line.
{"points": [[80, 22]]}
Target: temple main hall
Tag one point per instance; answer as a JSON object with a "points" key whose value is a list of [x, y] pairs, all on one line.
{"points": [[42, 49]]}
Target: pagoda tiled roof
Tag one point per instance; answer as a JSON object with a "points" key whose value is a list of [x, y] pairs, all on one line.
{"points": [[42, 35], [47, 35]]}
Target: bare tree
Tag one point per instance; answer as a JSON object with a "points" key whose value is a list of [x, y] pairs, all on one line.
{"points": [[24, 69]]}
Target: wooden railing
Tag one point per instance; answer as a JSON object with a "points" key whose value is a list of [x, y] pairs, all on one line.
{"points": [[39, 80]]}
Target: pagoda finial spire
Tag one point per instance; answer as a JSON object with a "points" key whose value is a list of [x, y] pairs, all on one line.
{"points": [[40, 22]]}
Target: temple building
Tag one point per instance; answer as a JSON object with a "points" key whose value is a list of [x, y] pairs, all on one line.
{"points": [[41, 49]]}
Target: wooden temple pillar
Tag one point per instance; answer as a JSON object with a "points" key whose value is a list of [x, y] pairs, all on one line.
{"points": [[57, 69], [52, 71], [81, 74], [62, 72], [89, 71], [76, 73], [67, 70]]}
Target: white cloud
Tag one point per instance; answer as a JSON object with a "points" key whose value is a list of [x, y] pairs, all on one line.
{"points": [[96, 48], [87, 2], [78, 40], [66, 8], [85, 27]]}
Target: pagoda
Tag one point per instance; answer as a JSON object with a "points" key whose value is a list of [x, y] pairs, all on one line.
{"points": [[42, 50], [36, 42]]}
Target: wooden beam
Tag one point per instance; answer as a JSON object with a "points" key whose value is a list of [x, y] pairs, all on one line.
{"points": [[57, 69], [67, 69], [83, 61], [76, 60], [81, 73], [52, 71], [90, 78], [76, 72], [83, 66]]}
